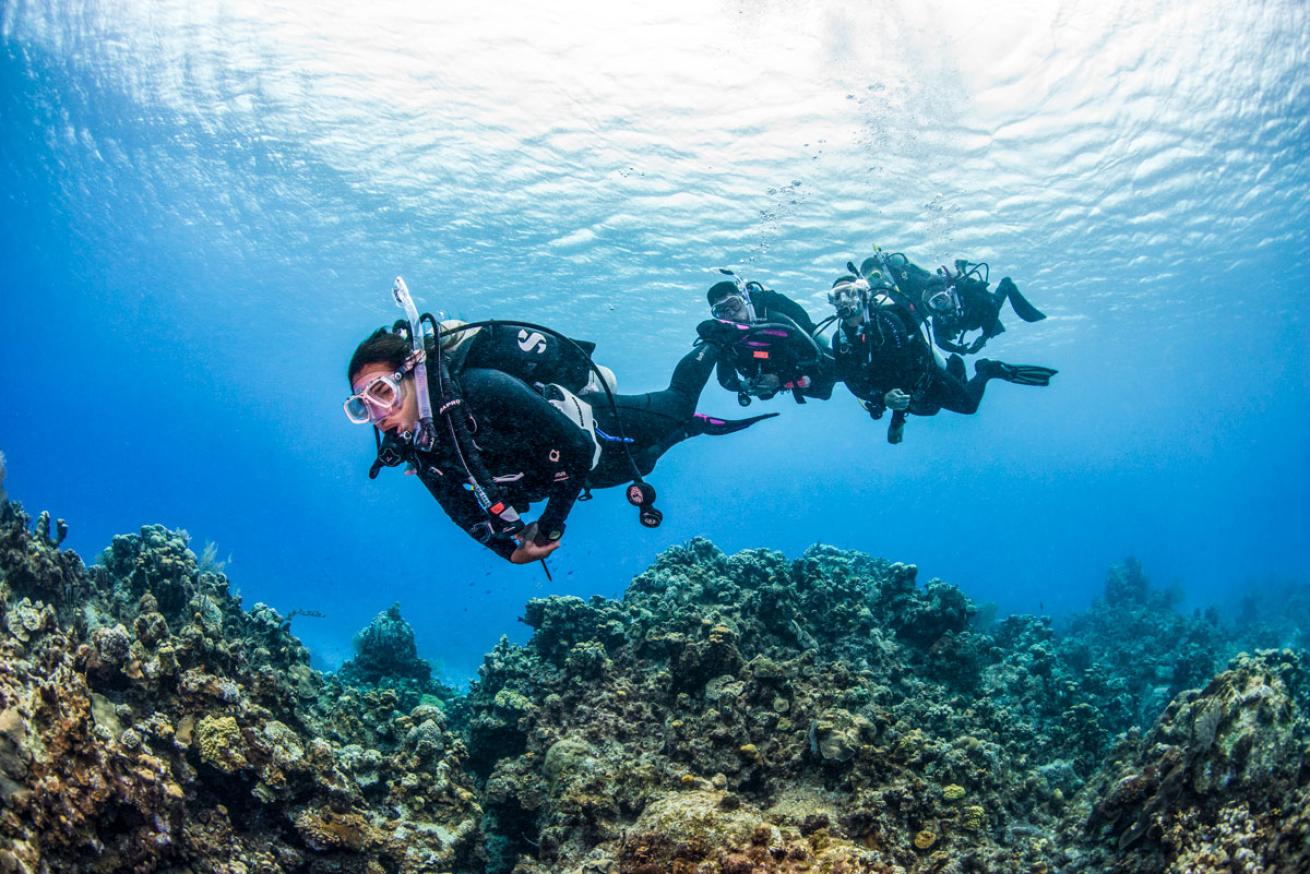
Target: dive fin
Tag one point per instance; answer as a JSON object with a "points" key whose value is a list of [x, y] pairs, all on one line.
{"points": [[703, 424], [1022, 308], [1019, 374]]}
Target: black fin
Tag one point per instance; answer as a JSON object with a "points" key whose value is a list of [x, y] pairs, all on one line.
{"points": [[1022, 308], [716, 427], [1019, 374]]}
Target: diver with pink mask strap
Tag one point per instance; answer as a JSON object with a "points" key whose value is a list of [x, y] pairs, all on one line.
{"points": [[771, 343]]}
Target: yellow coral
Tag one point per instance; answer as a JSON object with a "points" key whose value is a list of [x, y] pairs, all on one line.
{"points": [[220, 743], [925, 839], [953, 792], [328, 830], [975, 817]]}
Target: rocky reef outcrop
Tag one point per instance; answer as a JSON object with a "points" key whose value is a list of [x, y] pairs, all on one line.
{"points": [[751, 713], [743, 713], [149, 723]]}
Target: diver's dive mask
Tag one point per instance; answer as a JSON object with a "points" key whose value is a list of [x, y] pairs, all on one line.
{"points": [[741, 298], [944, 302], [847, 297], [734, 308], [382, 396]]}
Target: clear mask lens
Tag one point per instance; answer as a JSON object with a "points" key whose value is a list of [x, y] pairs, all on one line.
{"points": [[845, 297], [942, 301], [376, 400], [357, 410], [731, 307], [383, 391]]}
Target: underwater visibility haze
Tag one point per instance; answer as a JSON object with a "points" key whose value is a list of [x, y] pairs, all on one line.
{"points": [[204, 208]]}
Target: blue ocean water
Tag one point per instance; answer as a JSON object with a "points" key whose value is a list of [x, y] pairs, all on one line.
{"points": [[204, 206]]}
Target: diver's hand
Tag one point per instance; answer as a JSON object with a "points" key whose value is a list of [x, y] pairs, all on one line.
{"points": [[529, 549], [896, 400], [976, 346]]}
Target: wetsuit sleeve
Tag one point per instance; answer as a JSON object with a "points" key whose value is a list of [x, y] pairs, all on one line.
{"points": [[462, 508], [726, 373], [823, 379], [550, 446]]}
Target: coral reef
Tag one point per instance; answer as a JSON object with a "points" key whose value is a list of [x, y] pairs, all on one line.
{"points": [[1220, 782], [743, 713], [752, 713], [148, 723], [386, 657]]}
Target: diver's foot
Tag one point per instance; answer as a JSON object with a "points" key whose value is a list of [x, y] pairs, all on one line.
{"points": [[1019, 374]]}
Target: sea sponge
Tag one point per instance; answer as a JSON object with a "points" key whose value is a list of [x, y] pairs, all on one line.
{"points": [[925, 839], [221, 744]]}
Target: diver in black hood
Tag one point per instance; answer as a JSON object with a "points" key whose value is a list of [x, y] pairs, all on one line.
{"points": [[487, 443], [771, 342], [884, 354], [956, 302]]}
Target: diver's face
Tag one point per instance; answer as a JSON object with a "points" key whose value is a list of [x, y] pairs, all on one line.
{"points": [[731, 308], [402, 416]]}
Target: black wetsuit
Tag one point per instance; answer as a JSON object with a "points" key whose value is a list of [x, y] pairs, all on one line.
{"points": [[779, 352], [889, 352], [979, 309], [534, 452]]}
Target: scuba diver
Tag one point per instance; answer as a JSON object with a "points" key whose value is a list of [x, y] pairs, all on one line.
{"points": [[884, 353], [956, 302], [488, 443], [772, 347]]}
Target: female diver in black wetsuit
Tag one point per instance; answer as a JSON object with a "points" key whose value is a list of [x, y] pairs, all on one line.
{"points": [[508, 444]]}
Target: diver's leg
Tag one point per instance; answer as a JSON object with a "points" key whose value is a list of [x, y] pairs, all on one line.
{"points": [[692, 372], [952, 393]]}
